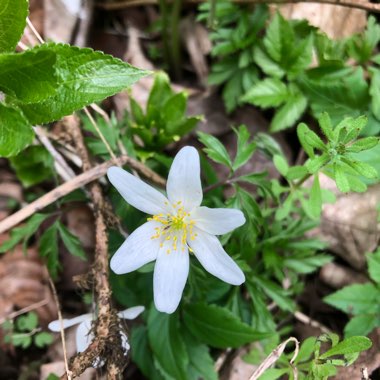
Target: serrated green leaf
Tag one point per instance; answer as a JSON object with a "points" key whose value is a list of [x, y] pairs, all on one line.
{"points": [[43, 339], [348, 346], [352, 128], [218, 327], [245, 149], [48, 248], [15, 131], [266, 64], [28, 76], [373, 260], [84, 76], [24, 232], [281, 164], [279, 38], [355, 299], [13, 14], [311, 138], [71, 242], [302, 130], [33, 165], [288, 114], [215, 149], [362, 168], [300, 57], [270, 92], [361, 324], [167, 344]]}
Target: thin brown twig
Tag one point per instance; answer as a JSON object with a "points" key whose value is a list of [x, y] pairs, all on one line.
{"points": [[56, 300], [77, 182], [24, 310], [370, 7]]}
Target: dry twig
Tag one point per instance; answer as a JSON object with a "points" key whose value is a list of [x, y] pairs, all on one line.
{"points": [[367, 6], [274, 356]]}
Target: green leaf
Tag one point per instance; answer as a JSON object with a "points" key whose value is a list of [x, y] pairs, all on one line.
{"points": [[361, 324], [174, 108], [341, 179], [266, 64], [270, 92], [310, 137], [84, 76], [374, 91], [355, 299], [373, 260], [296, 172], [316, 198], [215, 149], [279, 39], [24, 232], [362, 168], [201, 365], [288, 114], [33, 165], [29, 76], [142, 353], [348, 346], [27, 322], [218, 327], [281, 164], [300, 57], [365, 143], [167, 344], [48, 247], [273, 373], [15, 131], [71, 242], [326, 126], [245, 149], [21, 340], [302, 131], [158, 95], [43, 339], [13, 14], [315, 164]]}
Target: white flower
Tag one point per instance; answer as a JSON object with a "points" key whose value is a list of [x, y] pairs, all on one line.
{"points": [[179, 225], [84, 335]]}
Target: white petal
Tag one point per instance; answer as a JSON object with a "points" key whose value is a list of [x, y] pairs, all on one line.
{"points": [[217, 221], [83, 336], [137, 250], [137, 193], [124, 343], [215, 260], [170, 275], [184, 180], [132, 312], [56, 325]]}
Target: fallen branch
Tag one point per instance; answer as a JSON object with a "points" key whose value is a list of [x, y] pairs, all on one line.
{"points": [[370, 7], [75, 183]]}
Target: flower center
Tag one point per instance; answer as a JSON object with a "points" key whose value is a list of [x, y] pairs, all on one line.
{"points": [[175, 227]]}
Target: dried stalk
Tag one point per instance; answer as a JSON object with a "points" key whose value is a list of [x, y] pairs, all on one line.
{"points": [[370, 7]]}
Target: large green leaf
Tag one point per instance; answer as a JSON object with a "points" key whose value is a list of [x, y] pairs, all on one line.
{"points": [[13, 15], [218, 327], [373, 260], [167, 344], [84, 76], [29, 76], [362, 324], [15, 131], [355, 299]]}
